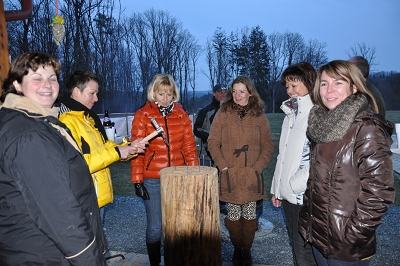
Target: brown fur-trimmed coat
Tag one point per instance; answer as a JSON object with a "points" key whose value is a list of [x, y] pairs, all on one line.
{"points": [[245, 146]]}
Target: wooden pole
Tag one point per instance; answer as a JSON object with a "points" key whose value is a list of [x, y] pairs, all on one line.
{"points": [[191, 218], [4, 56], [13, 15]]}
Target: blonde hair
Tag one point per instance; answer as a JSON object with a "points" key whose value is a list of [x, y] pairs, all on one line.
{"points": [[164, 83], [343, 70]]}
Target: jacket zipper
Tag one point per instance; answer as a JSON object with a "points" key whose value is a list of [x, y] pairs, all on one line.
{"points": [[167, 136]]}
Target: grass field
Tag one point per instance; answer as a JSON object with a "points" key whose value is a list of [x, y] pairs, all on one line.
{"points": [[121, 170]]}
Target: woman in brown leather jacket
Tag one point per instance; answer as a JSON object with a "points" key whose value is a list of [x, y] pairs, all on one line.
{"points": [[179, 149], [241, 146], [351, 173]]}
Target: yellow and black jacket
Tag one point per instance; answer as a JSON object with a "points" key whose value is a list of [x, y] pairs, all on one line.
{"points": [[98, 151]]}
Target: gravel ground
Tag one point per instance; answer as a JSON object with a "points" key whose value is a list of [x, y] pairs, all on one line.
{"points": [[125, 223]]}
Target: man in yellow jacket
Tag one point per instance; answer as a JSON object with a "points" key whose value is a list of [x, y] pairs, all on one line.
{"points": [[87, 130]]}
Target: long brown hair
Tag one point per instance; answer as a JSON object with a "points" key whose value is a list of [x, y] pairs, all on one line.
{"points": [[255, 103]]}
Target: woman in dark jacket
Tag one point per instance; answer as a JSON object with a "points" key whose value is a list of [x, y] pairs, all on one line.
{"points": [[241, 145], [351, 173], [48, 207]]}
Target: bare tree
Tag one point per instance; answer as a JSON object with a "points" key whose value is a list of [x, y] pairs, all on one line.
{"points": [[277, 60], [364, 50], [314, 53], [293, 44], [34, 33], [138, 40], [164, 31], [188, 54]]}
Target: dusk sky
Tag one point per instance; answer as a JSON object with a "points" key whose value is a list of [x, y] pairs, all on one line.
{"points": [[339, 23]]}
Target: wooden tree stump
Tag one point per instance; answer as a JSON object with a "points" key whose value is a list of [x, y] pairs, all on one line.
{"points": [[191, 218]]}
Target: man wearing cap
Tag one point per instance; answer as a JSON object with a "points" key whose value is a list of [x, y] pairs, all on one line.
{"points": [[204, 120]]}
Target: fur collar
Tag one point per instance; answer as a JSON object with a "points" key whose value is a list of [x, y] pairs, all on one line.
{"points": [[35, 110], [328, 126], [27, 106]]}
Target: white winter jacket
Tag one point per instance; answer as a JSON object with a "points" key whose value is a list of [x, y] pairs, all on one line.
{"points": [[292, 166]]}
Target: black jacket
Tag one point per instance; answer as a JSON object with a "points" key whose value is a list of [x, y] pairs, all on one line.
{"points": [[48, 207], [202, 125]]}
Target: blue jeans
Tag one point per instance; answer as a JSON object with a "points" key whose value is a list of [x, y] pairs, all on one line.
{"points": [[302, 254], [322, 261], [205, 162], [153, 210]]}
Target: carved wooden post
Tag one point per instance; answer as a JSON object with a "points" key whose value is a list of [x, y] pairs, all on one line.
{"points": [[191, 218], [4, 56]]}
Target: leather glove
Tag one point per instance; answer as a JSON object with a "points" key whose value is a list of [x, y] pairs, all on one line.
{"points": [[141, 191]]}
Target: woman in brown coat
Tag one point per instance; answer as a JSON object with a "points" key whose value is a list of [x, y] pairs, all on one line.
{"points": [[241, 145], [351, 172]]}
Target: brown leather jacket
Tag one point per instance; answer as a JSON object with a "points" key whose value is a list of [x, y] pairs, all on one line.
{"points": [[178, 130], [349, 189], [245, 147]]}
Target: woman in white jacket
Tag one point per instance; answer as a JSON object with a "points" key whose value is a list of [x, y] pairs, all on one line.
{"points": [[292, 166]]}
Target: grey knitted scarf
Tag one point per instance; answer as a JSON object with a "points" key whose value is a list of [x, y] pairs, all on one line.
{"points": [[328, 126]]}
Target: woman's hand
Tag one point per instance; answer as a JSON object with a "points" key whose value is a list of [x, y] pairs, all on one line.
{"points": [[137, 146], [276, 202]]}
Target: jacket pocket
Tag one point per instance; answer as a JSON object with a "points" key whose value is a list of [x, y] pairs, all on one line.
{"points": [[253, 180], [338, 225], [228, 180]]}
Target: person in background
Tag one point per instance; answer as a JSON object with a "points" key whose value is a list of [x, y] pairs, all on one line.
{"points": [[204, 120], [292, 166], [240, 143], [202, 129], [351, 172], [49, 212], [87, 130], [363, 65], [179, 149]]}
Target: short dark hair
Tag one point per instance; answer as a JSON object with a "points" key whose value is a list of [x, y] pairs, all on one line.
{"points": [[303, 72], [362, 64], [79, 79], [21, 65]]}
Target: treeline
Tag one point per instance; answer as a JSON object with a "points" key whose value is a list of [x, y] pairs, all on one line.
{"points": [[127, 51]]}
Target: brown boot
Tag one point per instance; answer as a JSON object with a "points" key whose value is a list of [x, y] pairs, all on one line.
{"points": [[235, 233], [248, 233]]}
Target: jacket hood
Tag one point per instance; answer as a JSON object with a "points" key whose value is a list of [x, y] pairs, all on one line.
{"points": [[379, 120]]}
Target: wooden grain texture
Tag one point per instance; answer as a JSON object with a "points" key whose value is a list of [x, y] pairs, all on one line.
{"points": [[4, 55], [191, 218]]}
